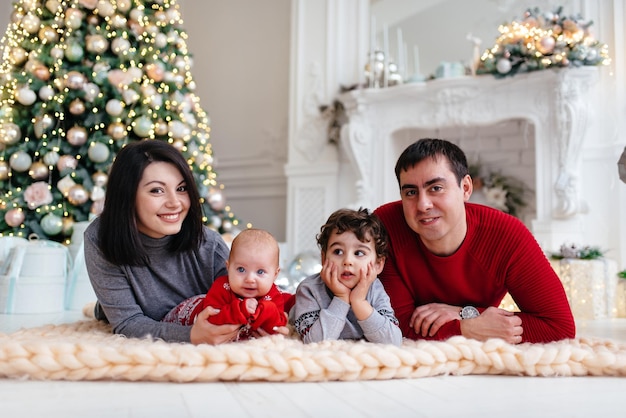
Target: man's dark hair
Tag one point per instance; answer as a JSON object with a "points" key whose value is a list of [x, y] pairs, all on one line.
{"points": [[433, 148]]}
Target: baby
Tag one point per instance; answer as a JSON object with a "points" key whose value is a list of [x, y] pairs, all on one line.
{"points": [[247, 295]]}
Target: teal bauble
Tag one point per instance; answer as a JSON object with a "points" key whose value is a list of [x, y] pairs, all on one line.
{"points": [[74, 52], [51, 224], [98, 152], [143, 126]]}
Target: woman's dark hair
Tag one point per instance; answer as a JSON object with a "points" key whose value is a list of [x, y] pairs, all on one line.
{"points": [[362, 223], [433, 148], [119, 237]]}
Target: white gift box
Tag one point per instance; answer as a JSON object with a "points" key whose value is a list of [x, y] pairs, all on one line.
{"points": [[621, 298], [590, 285], [79, 291], [33, 276]]}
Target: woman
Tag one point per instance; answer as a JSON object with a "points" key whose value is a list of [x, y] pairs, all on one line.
{"points": [[148, 251]]}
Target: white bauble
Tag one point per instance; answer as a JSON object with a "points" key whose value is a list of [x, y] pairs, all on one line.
{"points": [[26, 96], [503, 66]]}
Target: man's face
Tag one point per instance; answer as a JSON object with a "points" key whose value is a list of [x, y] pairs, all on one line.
{"points": [[434, 204]]}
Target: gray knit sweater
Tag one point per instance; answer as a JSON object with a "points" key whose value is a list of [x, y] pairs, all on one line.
{"points": [[319, 315], [135, 298]]}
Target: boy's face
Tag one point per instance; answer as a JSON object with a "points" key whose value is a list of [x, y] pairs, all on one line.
{"points": [[252, 269], [351, 255]]}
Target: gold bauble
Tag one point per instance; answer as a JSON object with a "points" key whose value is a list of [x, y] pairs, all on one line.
{"points": [[100, 178], [74, 80], [52, 6], [66, 162], [160, 128], [77, 107], [77, 195], [10, 133], [96, 43], [4, 170], [41, 72], [48, 34], [77, 135], [68, 226], [38, 170], [93, 20], [117, 131], [73, 18], [30, 23], [18, 55]]}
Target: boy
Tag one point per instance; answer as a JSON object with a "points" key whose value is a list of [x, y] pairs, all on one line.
{"points": [[346, 300]]}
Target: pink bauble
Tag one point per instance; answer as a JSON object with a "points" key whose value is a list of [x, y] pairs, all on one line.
{"points": [[14, 217], [66, 162]]}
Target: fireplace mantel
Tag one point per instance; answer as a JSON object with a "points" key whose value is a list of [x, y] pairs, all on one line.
{"points": [[554, 101]]}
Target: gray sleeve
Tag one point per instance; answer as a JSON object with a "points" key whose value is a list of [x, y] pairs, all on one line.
{"points": [[119, 301], [318, 316], [381, 326]]}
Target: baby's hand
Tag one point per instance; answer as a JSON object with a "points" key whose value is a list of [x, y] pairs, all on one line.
{"points": [[251, 305]]}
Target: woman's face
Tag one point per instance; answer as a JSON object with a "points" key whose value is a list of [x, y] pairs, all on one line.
{"points": [[162, 201]]}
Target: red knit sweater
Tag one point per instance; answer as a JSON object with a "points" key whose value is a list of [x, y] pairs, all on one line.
{"points": [[269, 314], [499, 254]]}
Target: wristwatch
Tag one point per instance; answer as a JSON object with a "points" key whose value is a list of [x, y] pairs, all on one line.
{"points": [[469, 312]]}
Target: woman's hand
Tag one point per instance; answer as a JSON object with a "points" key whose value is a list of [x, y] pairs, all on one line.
{"points": [[204, 332]]}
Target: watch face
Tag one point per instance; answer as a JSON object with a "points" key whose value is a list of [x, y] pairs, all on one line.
{"points": [[469, 312]]}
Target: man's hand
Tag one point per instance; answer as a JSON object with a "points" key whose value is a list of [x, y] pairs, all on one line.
{"points": [[330, 277], [427, 319], [494, 323], [204, 332]]}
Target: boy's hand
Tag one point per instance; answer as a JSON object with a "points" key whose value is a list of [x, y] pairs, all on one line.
{"points": [[331, 279], [361, 307], [366, 278], [251, 305]]}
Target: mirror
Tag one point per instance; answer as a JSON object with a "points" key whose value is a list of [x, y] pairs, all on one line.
{"points": [[423, 34]]}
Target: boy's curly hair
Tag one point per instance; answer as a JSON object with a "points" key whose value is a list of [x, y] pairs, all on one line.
{"points": [[365, 225]]}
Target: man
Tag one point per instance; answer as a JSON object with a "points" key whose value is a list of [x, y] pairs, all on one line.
{"points": [[451, 262]]}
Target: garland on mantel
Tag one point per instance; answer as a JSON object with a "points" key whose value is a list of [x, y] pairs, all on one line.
{"points": [[543, 40]]}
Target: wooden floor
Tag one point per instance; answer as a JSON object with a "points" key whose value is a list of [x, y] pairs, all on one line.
{"points": [[443, 396]]}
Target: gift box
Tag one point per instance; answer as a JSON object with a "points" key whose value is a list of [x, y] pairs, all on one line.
{"points": [[590, 285], [33, 276], [79, 291], [621, 298]]}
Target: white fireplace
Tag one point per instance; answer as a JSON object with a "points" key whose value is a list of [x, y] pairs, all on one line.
{"points": [[568, 122], [382, 122]]}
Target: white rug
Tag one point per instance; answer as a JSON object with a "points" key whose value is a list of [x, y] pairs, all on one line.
{"points": [[86, 350]]}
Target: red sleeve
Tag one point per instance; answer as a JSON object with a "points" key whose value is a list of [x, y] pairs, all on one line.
{"points": [[232, 309], [271, 312]]}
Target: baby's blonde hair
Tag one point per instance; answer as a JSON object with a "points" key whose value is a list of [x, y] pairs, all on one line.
{"points": [[257, 237]]}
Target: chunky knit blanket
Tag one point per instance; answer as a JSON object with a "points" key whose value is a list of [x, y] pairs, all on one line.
{"points": [[87, 350]]}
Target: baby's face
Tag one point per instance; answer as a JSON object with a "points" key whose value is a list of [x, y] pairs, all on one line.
{"points": [[252, 270]]}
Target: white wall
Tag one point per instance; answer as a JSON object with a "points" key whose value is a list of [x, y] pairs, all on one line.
{"points": [[241, 67]]}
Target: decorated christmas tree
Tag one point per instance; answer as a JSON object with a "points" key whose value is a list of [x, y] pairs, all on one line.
{"points": [[79, 79]]}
